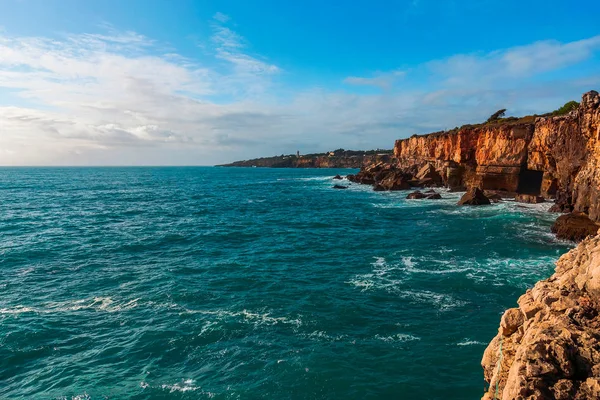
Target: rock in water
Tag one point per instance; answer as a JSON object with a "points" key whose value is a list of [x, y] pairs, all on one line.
{"points": [[340, 187], [416, 195], [493, 196], [529, 198], [574, 226], [474, 197], [549, 347], [433, 196], [338, 177]]}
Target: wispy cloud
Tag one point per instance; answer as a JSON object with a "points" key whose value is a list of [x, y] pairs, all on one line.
{"points": [[123, 98], [381, 80], [514, 63]]}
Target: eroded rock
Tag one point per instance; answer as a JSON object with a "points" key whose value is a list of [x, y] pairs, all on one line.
{"points": [[549, 347], [574, 226], [474, 197], [529, 198]]}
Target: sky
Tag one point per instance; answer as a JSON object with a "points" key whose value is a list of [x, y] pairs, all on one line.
{"points": [[183, 82]]}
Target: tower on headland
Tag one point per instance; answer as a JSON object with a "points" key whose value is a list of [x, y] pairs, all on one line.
{"points": [[298, 153]]}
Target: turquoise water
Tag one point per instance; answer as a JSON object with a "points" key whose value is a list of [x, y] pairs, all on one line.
{"points": [[192, 283]]}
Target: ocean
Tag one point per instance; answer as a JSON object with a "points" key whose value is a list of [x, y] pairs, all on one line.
{"points": [[199, 282]]}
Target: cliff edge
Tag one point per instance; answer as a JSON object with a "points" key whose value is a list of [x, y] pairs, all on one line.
{"points": [[549, 347], [556, 157]]}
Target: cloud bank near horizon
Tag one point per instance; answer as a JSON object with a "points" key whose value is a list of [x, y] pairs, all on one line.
{"points": [[120, 98]]}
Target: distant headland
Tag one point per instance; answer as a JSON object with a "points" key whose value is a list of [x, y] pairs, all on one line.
{"points": [[339, 158]]}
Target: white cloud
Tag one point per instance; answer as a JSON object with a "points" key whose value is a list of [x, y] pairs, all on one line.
{"points": [[383, 81], [120, 98], [514, 63], [223, 18]]}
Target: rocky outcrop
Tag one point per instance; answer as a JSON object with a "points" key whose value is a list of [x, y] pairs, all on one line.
{"points": [[574, 226], [529, 198], [549, 347], [429, 195], [383, 176], [489, 157], [474, 197], [554, 157]]}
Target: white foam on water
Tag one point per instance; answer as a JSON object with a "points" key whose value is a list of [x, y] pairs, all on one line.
{"points": [[16, 310], [399, 337], [313, 178], [84, 396], [186, 385], [378, 279], [25, 271], [249, 316], [443, 302], [106, 304], [324, 336], [469, 342]]}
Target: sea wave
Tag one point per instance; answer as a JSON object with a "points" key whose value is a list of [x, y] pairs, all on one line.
{"points": [[106, 304], [398, 337], [258, 318], [469, 342]]}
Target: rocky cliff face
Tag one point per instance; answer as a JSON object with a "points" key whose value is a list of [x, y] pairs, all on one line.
{"points": [[549, 347], [489, 157], [555, 157]]}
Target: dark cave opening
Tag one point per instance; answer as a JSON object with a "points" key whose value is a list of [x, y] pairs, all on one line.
{"points": [[530, 182]]}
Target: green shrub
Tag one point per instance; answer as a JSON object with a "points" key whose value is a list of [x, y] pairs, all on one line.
{"points": [[567, 108]]}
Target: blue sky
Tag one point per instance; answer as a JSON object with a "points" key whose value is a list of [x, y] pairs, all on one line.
{"points": [[202, 82]]}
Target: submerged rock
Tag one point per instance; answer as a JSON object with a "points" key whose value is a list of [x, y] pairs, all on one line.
{"points": [[549, 347], [574, 226], [416, 195], [474, 197]]}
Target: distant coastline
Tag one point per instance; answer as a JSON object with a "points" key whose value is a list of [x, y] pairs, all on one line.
{"points": [[339, 158]]}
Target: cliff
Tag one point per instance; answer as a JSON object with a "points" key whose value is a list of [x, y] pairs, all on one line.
{"points": [[549, 347], [557, 157], [335, 159]]}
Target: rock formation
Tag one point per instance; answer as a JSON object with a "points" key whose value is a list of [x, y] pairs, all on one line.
{"points": [[574, 226], [549, 347], [553, 157], [383, 176], [550, 157], [474, 197], [529, 198]]}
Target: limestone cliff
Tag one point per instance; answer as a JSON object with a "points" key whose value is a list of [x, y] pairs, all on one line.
{"points": [[490, 157], [555, 157], [549, 347]]}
